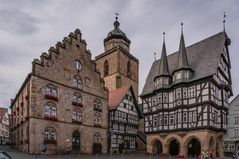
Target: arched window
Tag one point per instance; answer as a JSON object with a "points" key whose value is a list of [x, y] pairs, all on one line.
{"points": [[78, 65], [76, 116], [77, 82], [106, 68], [51, 91], [50, 134], [128, 69], [77, 100], [97, 105], [97, 120], [50, 110], [97, 138]]}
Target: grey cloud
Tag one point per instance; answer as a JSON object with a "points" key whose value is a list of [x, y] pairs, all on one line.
{"points": [[17, 21]]}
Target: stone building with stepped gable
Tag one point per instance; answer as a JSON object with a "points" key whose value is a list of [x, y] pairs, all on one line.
{"points": [[185, 98], [62, 103]]}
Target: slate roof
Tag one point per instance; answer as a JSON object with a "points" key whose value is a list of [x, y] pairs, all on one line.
{"points": [[2, 113], [203, 58]]}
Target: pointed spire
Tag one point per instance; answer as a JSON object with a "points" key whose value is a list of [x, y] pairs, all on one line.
{"points": [[224, 21], [182, 54], [154, 56], [163, 70]]}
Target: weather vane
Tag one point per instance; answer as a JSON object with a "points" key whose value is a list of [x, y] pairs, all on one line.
{"points": [[154, 56], [116, 14], [224, 20]]}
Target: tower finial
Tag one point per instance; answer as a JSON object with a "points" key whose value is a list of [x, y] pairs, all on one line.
{"points": [[164, 37], [154, 56], [116, 15], [224, 20], [116, 23], [182, 27]]}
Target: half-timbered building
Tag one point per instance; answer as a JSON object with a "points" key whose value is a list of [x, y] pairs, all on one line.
{"points": [[185, 98], [124, 117]]}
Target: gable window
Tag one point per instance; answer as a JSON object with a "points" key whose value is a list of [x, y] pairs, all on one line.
{"points": [[50, 135], [97, 120], [77, 100], [50, 111], [128, 69], [97, 105], [97, 138], [77, 82], [51, 92], [78, 65], [76, 116], [106, 68]]}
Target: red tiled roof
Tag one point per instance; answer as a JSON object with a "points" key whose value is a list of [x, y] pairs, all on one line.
{"points": [[116, 96]]}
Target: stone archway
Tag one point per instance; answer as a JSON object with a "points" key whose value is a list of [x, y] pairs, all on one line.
{"points": [[174, 147], [157, 147], [194, 148]]}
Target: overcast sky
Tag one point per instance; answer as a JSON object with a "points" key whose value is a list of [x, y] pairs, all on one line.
{"points": [[28, 28]]}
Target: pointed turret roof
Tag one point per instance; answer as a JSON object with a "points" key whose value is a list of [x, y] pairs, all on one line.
{"points": [[182, 54], [163, 70]]}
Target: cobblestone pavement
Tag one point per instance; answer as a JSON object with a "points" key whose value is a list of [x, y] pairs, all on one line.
{"points": [[137, 155]]}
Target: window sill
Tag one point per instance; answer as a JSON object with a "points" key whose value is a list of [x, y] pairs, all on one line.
{"points": [[97, 109], [49, 141], [98, 125], [77, 104], [76, 122]]}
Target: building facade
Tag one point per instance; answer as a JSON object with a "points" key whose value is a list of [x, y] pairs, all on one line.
{"points": [[62, 102], [124, 117], [4, 126], [231, 139], [185, 98]]}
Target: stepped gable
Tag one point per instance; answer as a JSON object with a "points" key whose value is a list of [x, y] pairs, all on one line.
{"points": [[203, 58], [74, 40]]}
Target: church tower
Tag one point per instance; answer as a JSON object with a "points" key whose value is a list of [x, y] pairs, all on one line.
{"points": [[118, 67]]}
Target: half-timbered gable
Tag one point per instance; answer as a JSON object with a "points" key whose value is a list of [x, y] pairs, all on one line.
{"points": [[124, 117]]}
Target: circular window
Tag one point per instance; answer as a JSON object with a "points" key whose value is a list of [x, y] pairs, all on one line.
{"points": [[78, 65]]}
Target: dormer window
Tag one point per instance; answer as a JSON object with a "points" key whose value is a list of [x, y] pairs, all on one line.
{"points": [[78, 65]]}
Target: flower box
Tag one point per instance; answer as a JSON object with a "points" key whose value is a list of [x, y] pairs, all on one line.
{"points": [[77, 104], [98, 125], [53, 118], [48, 141], [27, 97], [50, 97]]}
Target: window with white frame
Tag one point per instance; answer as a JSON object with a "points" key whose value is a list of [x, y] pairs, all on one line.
{"points": [[76, 116], [97, 138], [50, 109], [51, 90], [50, 133]]}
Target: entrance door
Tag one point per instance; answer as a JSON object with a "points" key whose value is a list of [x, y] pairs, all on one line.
{"points": [[194, 148], [76, 141], [157, 148], [174, 148], [97, 148]]}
